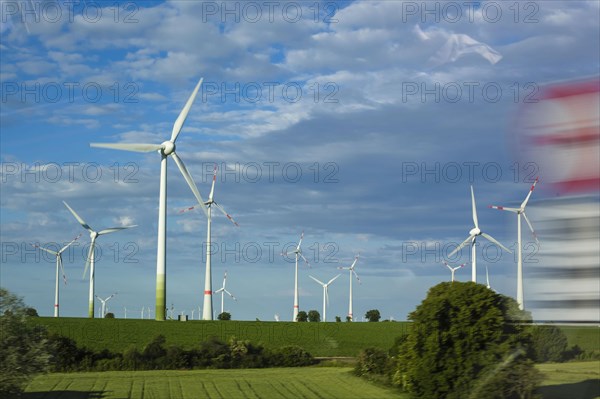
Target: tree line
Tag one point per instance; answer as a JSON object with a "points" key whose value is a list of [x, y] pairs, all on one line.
{"points": [[26, 350]]}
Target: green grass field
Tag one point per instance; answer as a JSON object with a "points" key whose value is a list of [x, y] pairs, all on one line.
{"points": [[588, 338], [293, 383], [320, 339], [579, 380]]}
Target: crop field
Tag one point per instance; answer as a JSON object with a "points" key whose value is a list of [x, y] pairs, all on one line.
{"points": [[320, 339], [296, 383], [588, 338], [578, 380]]}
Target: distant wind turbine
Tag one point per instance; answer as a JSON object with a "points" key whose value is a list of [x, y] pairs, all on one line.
{"points": [[208, 308], [165, 149], [453, 269], [59, 264], [103, 301], [298, 254], [325, 293], [351, 270], [473, 234], [520, 211], [224, 291], [90, 258]]}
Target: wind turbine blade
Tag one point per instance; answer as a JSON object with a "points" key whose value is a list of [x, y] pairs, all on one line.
{"points": [[113, 229], [524, 204], [219, 290], [333, 279], [327, 295], [212, 188], [318, 281], [232, 297], [184, 113], [465, 242], [487, 276], [89, 257], [300, 242], [45, 249], [474, 208], [305, 260], [504, 208], [224, 279], [492, 239], [219, 207], [355, 260], [98, 297], [356, 275], [190, 181], [62, 269], [530, 227], [79, 219], [447, 265], [67, 246], [135, 147], [343, 268]]}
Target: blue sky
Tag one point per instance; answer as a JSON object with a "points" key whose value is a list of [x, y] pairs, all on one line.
{"points": [[360, 123]]}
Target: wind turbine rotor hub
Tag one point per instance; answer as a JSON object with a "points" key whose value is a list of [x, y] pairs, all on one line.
{"points": [[93, 235], [168, 147], [475, 231]]}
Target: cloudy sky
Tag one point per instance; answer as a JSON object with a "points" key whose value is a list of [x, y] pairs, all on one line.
{"points": [[360, 123]]}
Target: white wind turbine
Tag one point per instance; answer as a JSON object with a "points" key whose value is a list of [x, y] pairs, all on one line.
{"points": [[165, 149], [59, 264], [351, 270], [276, 317], [103, 302], [520, 211], [487, 278], [224, 291], [207, 310], [90, 258], [298, 254], [472, 238], [325, 293], [453, 269]]}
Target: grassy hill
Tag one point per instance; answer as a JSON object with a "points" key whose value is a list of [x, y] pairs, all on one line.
{"points": [[320, 339]]}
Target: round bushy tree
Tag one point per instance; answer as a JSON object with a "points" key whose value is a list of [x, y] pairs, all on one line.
{"points": [[549, 343], [314, 316], [373, 315], [302, 316], [224, 316], [462, 335]]}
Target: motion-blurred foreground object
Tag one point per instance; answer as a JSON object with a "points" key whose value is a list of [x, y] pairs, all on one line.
{"points": [[560, 135]]}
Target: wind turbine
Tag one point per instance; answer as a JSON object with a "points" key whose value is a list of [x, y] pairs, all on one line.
{"points": [[325, 293], [472, 238], [207, 310], [90, 258], [276, 317], [520, 211], [351, 269], [125, 311], [223, 290], [59, 264], [103, 301], [487, 278], [298, 254], [165, 149], [453, 269]]}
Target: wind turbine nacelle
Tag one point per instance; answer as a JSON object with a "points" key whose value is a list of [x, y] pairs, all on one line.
{"points": [[475, 231], [168, 147], [93, 235]]}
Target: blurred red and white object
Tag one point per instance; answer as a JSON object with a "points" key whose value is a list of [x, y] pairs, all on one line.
{"points": [[560, 133]]}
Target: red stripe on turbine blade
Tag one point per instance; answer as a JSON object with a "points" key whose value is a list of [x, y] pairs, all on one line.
{"points": [[207, 292], [500, 207]]}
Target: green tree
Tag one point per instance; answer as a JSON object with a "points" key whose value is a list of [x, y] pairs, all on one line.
{"points": [[348, 319], [462, 335], [302, 316], [373, 315], [371, 361], [338, 319], [549, 344], [314, 316], [31, 312], [109, 315], [23, 348], [224, 316]]}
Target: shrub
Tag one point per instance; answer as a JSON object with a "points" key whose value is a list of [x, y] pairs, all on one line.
{"points": [[291, 356], [371, 361], [549, 344]]}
